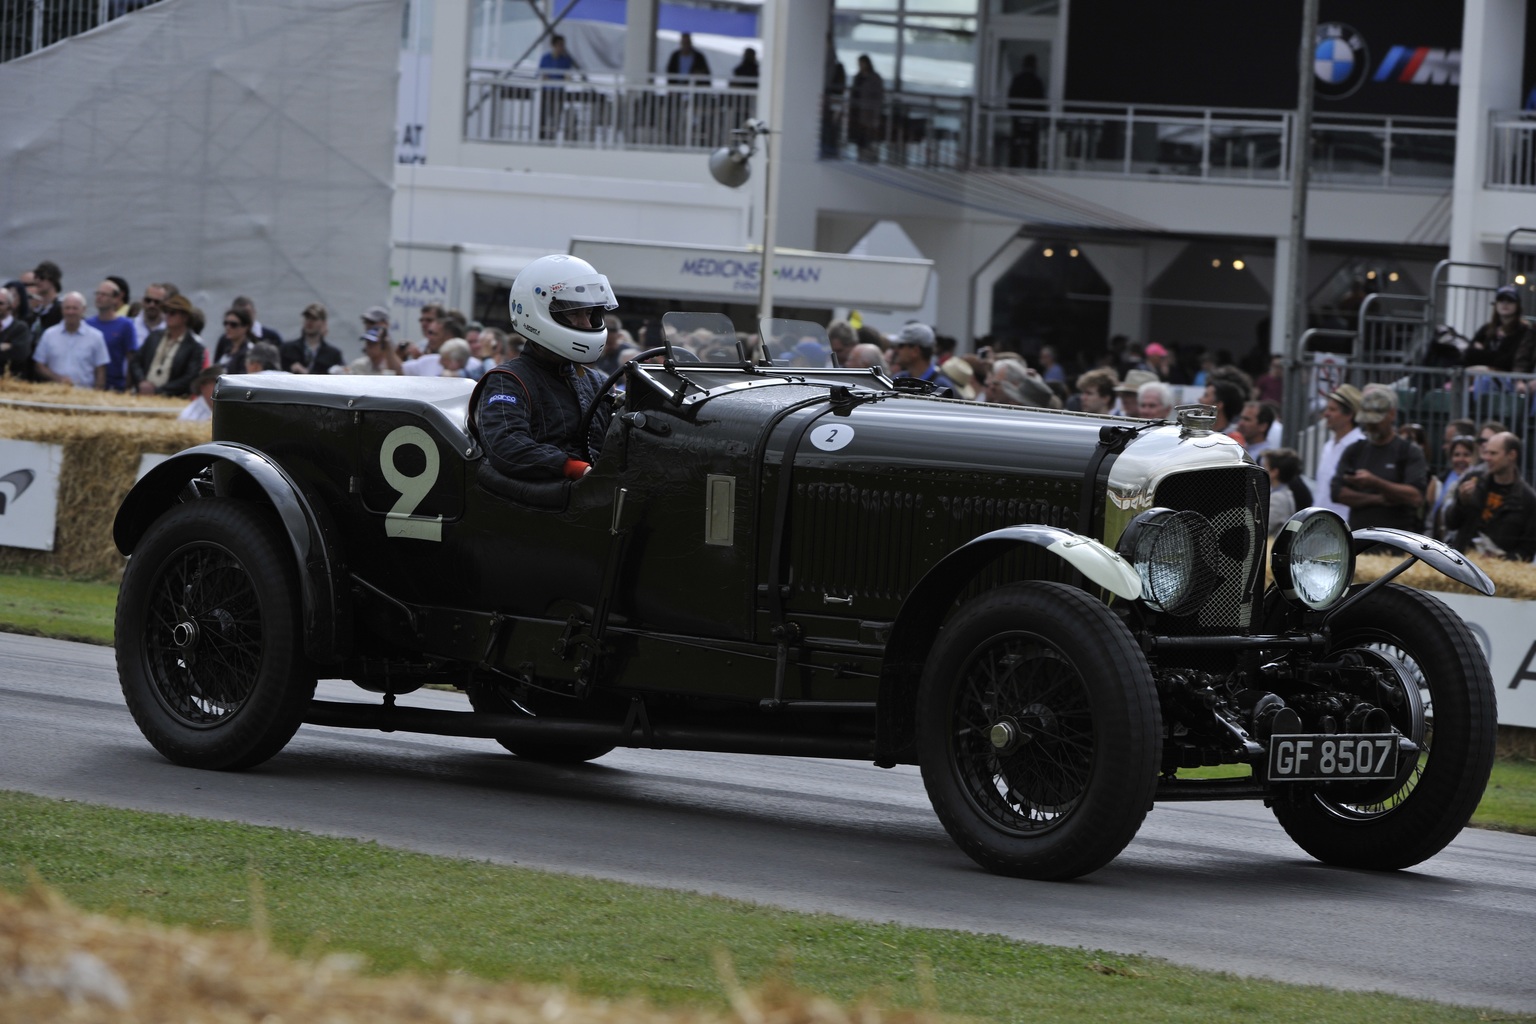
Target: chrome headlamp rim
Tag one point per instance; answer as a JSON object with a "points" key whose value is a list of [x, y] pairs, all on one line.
{"points": [[1304, 526], [1134, 547]]}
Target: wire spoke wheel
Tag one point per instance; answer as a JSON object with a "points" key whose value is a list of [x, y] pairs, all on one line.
{"points": [[1450, 714], [1024, 734], [1039, 731], [205, 640], [209, 648]]}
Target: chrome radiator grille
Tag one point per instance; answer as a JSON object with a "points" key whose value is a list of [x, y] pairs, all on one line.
{"points": [[1236, 501]]}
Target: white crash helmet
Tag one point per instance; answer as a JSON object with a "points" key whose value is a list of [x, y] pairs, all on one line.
{"points": [[558, 302]]}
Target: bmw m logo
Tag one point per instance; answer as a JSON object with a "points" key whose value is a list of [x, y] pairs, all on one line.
{"points": [[1341, 61]]}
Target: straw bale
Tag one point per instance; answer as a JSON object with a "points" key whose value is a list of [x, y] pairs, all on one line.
{"points": [[59, 964], [1513, 579], [101, 461], [24, 394]]}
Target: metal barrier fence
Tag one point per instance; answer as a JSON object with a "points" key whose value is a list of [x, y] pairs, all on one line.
{"points": [[1249, 145], [1463, 295], [524, 108], [1512, 150], [1430, 396], [29, 25]]}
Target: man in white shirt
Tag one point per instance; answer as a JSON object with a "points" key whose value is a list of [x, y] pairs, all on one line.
{"points": [[72, 351], [1339, 416]]}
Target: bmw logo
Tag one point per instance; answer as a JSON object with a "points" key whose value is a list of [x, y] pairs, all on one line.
{"points": [[1341, 61]]}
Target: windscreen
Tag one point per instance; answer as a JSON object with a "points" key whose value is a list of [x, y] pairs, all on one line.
{"points": [[797, 343], [701, 338]]}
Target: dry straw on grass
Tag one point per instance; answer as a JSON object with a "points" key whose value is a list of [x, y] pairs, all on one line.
{"points": [[59, 964], [101, 458]]}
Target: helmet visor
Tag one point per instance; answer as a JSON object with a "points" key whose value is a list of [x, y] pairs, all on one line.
{"points": [[580, 302]]}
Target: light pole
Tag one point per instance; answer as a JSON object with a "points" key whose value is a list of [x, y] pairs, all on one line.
{"points": [[730, 166]]}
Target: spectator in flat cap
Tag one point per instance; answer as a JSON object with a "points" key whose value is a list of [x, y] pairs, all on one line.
{"points": [[1338, 416], [1383, 477], [170, 357], [1010, 382], [914, 355]]}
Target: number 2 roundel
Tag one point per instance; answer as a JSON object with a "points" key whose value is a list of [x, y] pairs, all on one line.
{"points": [[831, 437]]}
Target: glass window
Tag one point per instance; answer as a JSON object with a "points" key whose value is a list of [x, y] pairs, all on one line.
{"points": [[928, 48]]}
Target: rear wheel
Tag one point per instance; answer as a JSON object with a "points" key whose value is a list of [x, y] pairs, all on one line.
{"points": [[1039, 732], [209, 647], [1395, 826]]}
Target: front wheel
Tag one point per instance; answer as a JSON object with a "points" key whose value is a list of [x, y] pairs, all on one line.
{"points": [[209, 649], [1434, 796], [1039, 732]]}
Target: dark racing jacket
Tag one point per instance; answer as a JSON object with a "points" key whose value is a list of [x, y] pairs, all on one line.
{"points": [[529, 414]]}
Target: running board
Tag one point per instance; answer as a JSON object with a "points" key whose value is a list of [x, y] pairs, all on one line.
{"points": [[636, 732]]}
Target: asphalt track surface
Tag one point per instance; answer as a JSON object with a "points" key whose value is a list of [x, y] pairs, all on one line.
{"points": [[1215, 886]]}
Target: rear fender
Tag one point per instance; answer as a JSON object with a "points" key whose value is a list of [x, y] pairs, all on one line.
{"points": [[917, 624], [327, 610]]}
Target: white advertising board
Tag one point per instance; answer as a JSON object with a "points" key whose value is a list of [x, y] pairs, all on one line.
{"points": [[730, 274], [29, 493], [1506, 629]]}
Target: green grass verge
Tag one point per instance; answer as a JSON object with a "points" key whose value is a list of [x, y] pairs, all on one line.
{"points": [[63, 609], [433, 915], [1509, 802]]}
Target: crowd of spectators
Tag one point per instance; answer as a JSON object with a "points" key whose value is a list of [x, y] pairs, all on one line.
{"points": [[161, 343]]}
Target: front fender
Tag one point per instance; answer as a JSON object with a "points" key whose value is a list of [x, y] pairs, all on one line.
{"points": [[1434, 553], [326, 610], [917, 624]]}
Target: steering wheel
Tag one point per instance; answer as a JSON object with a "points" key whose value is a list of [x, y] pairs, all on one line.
{"points": [[607, 386]]}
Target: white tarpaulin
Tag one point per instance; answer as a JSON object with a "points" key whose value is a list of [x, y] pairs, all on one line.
{"points": [[231, 147]]}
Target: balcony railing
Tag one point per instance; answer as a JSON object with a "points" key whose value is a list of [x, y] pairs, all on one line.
{"points": [[28, 25], [1215, 144], [593, 114], [955, 133], [1512, 150]]}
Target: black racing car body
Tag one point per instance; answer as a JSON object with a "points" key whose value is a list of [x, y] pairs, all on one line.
{"points": [[816, 562]]}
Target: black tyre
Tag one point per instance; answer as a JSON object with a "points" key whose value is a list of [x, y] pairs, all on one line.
{"points": [[494, 700], [209, 648], [1039, 732], [1385, 828]]}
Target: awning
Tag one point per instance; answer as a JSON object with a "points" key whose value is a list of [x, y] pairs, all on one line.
{"points": [[730, 274]]}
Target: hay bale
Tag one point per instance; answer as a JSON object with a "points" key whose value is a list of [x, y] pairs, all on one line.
{"points": [[57, 963], [20, 394], [1513, 579], [100, 464]]}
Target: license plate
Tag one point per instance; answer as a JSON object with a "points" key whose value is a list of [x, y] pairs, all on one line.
{"points": [[1324, 756]]}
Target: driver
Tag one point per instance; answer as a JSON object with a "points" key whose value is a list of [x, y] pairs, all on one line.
{"points": [[529, 409]]}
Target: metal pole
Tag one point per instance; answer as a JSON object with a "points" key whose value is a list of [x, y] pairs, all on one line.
{"points": [[1294, 305], [770, 232], [778, 62]]}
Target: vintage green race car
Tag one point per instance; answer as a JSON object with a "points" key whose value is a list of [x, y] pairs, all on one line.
{"points": [[1051, 613]]}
